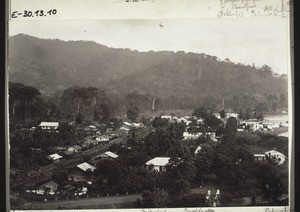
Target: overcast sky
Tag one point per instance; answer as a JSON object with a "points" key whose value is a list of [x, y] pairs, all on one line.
{"points": [[258, 41]]}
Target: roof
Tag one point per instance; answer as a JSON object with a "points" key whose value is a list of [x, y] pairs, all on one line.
{"points": [[60, 148], [259, 155], [69, 187], [274, 152], [198, 150], [186, 134], [124, 128], [51, 184], [127, 123], [67, 152], [85, 166], [111, 154], [49, 124], [84, 145], [102, 138], [54, 156], [158, 161], [77, 147]]}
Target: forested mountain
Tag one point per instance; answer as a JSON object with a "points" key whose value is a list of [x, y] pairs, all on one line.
{"points": [[177, 80]]}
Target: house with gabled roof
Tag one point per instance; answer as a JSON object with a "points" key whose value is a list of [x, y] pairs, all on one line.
{"points": [[276, 156], [127, 124], [49, 125], [191, 136], [55, 157], [158, 163], [85, 166], [108, 154], [74, 148], [79, 173], [259, 157], [105, 155], [49, 188]]}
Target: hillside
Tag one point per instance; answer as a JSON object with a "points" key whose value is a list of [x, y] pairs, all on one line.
{"points": [[180, 79]]}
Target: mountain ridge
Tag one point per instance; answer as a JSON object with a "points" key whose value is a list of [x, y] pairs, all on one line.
{"points": [[53, 65]]}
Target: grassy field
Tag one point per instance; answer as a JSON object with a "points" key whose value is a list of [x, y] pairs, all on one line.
{"points": [[278, 130]]}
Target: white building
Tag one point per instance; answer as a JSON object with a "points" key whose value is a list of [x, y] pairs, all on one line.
{"points": [[217, 115], [278, 157], [49, 187], [49, 125], [182, 119], [54, 157], [158, 163], [191, 136], [259, 157], [137, 124], [235, 115], [74, 148], [78, 173], [124, 128], [166, 117], [102, 138], [85, 166], [273, 126], [127, 124], [254, 125], [108, 154], [92, 127]]}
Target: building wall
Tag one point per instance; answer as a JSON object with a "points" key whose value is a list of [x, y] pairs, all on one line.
{"points": [[159, 168]]}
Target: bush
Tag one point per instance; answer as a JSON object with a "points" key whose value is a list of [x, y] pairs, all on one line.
{"points": [[158, 198], [191, 200], [225, 199], [246, 137]]}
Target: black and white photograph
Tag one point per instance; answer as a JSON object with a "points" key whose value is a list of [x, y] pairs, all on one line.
{"points": [[148, 113]]}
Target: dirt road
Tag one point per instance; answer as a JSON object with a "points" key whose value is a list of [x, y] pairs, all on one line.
{"points": [[101, 201], [90, 202]]}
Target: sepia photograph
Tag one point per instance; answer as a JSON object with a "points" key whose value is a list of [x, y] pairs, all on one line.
{"points": [[148, 113]]}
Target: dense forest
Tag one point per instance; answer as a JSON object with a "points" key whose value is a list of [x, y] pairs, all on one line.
{"points": [[152, 80]]}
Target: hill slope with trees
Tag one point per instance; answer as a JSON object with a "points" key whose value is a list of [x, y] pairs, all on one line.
{"points": [[177, 80]]}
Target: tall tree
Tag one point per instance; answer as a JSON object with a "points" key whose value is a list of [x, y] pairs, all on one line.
{"points": [[132, 112], [20, 100], [212, 121], [222, 114], [200, 112], [230, 131]]}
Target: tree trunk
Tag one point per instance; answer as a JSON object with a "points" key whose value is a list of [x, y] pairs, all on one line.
{"points": [[25, 114], [153, 104], [14, 107]]}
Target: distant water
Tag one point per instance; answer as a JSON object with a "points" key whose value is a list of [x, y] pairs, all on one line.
{"points": [[278, 118]]}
